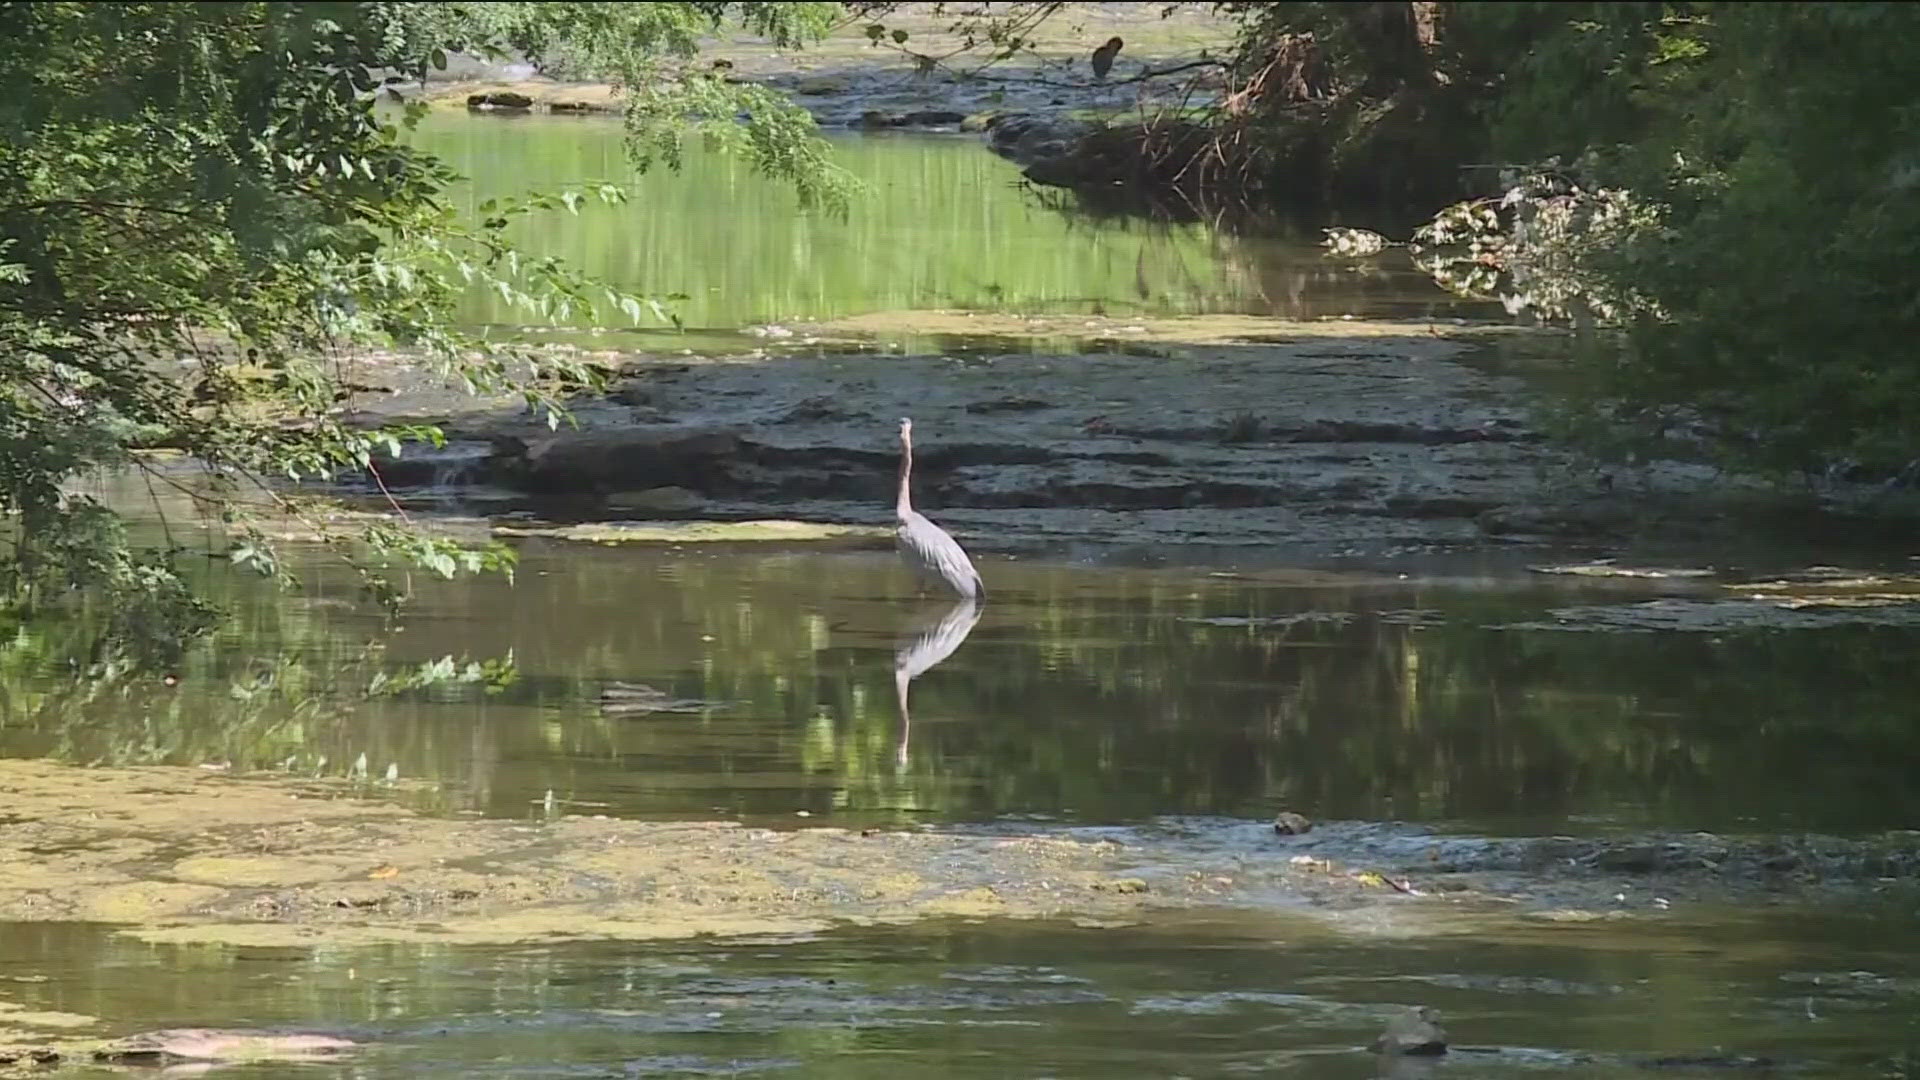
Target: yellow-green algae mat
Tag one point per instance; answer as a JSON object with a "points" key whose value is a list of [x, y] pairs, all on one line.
{"points": [[186, 854], [698, 532]]}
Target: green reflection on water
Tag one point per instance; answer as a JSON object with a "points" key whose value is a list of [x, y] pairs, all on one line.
{"points": [[1099, 694], [945, 225]]}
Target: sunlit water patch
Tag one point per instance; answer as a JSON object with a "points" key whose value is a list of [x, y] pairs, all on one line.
{"points": [[943, 224]]}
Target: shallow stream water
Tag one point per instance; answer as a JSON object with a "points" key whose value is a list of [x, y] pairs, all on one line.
{"points": [[1083, 696], [763, 684], [1232, 994]]}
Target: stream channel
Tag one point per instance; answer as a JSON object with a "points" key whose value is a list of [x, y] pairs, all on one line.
{"points": [[1171, 704]]}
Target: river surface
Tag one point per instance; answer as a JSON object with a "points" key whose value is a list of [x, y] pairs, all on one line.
{"points": [[1502, 702], [803, 686], [1083, 696], [1194, 996]]}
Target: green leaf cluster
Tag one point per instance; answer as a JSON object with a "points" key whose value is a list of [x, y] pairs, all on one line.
{"points": [[1728, 187], [211, 220], [1772, 154], [1788, 274]]}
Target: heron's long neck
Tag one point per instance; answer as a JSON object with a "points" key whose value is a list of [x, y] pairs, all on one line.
{"points": [[903, 505]]}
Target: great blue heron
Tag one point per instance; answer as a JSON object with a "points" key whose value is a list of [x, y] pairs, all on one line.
{"points": [[1103, 58], [925, 546]]}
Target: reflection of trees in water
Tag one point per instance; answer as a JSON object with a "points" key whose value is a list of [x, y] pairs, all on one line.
{"points": [[1107, 695], [1374, 718], [279, 687], [1258, 263], [69, 693], [1112, 693]]}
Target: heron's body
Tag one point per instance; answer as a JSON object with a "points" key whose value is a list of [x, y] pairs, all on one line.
{"points": [[1103, 58], [926, 547]]}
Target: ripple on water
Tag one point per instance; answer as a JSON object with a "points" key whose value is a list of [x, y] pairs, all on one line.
{"points": [[1721, 616], [694, 1065], [1013, 973], [1226, 1001], [777, 1001], [1516, 984]]}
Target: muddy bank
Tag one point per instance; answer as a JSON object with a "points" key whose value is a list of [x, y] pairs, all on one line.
{"points": [[1307, 440]]}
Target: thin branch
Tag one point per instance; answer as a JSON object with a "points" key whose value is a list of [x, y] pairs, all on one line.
{"points": [[98, 207], [374, 471]]}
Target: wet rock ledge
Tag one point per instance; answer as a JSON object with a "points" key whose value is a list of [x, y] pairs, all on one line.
{"points": [[1340, 437]]}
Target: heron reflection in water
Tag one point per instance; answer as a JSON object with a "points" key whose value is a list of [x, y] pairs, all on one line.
{"points": [[928, 640]]}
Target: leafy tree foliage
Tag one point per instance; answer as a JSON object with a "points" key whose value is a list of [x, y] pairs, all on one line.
{"points": [[641, 47], [1728, 187], [206, 209], [1788, 154]]}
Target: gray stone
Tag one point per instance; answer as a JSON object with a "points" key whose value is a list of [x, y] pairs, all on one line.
{"points": [[660, 500], [628, 458], [503, 100], [1416, 1031], [1288, 823], [1026, 138], [933, 118]]}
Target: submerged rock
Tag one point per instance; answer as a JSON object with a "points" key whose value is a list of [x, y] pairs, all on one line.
{"points": [[698, 532], [500, 101], [666, 501], [918, 118], [638, 699], [1029, 138], [1644, 858], [821, 85], [1288, 823], [1737, 1062], [219, 1044], [933, 118], [1416, 1031]]}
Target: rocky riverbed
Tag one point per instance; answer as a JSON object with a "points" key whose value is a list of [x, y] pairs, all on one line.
{"points": [[273, 861], [1335, 440], [847, 81]]}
